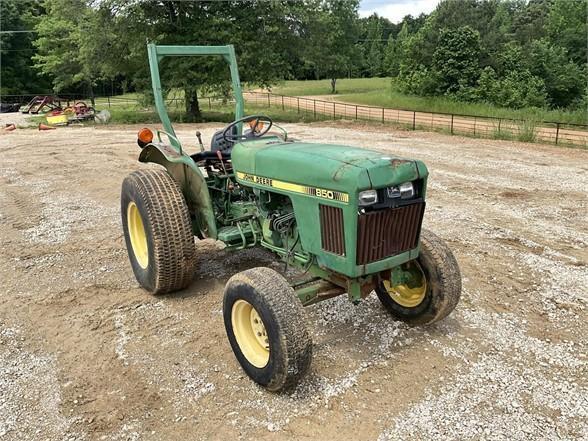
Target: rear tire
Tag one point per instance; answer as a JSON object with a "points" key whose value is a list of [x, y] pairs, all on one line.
{"points": [[265, 325], [158, 231], [442, 283]]}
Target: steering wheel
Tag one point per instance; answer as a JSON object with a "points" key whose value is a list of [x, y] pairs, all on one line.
{"points": [[259, 125]]}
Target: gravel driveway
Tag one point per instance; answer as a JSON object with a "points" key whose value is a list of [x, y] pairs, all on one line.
{"points": [[85, 354]]}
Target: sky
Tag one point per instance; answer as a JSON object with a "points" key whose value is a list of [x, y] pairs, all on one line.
{"points": [[395, 10]]}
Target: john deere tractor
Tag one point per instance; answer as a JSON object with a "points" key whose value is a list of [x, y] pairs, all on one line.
{"points": [[349, 218]]}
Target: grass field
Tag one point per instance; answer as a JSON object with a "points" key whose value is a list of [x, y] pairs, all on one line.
{"points": [[218, 113], [323, 87], [382, 92]]}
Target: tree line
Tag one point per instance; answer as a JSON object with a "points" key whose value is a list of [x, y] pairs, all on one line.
{"points": [[512, 53]]}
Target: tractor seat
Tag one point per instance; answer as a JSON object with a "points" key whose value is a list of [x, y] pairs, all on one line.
{"points": [[219, 143]]}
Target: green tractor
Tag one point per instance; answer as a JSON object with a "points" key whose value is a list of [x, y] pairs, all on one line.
{"points": [[348, 218]]}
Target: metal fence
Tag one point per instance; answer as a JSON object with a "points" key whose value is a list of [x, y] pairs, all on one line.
{"points": [[490, 127], [459, 124]]}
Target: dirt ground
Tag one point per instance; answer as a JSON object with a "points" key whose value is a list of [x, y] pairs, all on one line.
{"points": [[85, 354]]}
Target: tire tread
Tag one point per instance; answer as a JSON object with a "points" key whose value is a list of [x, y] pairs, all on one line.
{"points": [[173, 239]]}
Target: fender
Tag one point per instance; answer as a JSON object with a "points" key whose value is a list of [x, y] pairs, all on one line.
{"points": [[187, 174]]}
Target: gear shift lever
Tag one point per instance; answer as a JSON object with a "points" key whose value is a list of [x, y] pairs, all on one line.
{"points": [[199, 136]]}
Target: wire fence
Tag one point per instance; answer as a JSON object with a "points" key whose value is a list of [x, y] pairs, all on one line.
{"points": [[311, 108], [482, 126]]}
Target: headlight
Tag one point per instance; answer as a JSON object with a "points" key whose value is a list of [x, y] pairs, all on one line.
{"points": [[368, 197], [403, 191], [406, 190]]}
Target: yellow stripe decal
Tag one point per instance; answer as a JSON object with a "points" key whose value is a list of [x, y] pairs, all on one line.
{"points": [[322, 193]]}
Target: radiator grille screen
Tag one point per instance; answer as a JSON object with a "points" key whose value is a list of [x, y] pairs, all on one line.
{"points": [[388, 232], [332, 233]]}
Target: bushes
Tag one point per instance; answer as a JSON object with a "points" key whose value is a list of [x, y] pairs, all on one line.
{"points": [[517, 90], [508, 53]]}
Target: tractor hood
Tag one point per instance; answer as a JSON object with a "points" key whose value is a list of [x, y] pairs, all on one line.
{"points": [[330, 166]]}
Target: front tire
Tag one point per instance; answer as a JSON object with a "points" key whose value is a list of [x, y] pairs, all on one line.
{"points": [[435, 295], [265, 326], [158, 231]]}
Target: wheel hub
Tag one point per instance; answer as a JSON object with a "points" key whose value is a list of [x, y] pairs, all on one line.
{"points": [[250, 333], [411, 293], [137, 235]]}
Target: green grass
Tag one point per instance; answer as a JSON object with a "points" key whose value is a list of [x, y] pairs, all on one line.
{"points": [[382, 92], [218, 113], [323, 87], [527, 131]]}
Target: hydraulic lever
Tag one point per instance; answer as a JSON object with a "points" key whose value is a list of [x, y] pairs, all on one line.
{"points": [[199, 136]]}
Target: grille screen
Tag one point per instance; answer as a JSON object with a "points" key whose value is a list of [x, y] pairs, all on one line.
{"points": [[384, 233], [332, 233]]}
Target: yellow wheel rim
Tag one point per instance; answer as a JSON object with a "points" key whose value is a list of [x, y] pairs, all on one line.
{"points": [[412, 293], [137, 235], [250, 333]]}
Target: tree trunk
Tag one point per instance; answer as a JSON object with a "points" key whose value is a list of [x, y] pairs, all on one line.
{"points": [[192, 107], [333, 84], [91, 91]]}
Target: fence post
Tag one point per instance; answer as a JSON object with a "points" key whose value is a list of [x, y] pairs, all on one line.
{"points": [[209, 103], [452, 123], [314, 104], [268, 101], [499, 124], [475, 125], [414, 120], [557, 134], [109, 101], [298, 104], [282, 102], [356, 112], [382, 115]]}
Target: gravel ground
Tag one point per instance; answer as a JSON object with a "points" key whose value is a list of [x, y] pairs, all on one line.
{"points": [[85, 354]]}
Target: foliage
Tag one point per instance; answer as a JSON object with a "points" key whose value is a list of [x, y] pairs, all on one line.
{"points": [[527, 131], [456, 59], [329, 36], [517, 89], [567, 27], [516, 53], [60, 35], [17, 74], [509, 53]]}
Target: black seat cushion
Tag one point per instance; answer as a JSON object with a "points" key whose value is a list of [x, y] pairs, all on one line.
{"points": [[219, 143]]}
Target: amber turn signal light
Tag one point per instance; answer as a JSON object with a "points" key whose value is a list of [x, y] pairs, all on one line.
{"points": [[145, 135]]}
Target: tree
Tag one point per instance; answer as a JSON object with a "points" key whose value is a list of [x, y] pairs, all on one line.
{"points": [[376, 48], [395, 50], [567, 27], [517, 89], [565, 81], [264, 36], [391, 64], [18, 75], [329, 35], [59, 37], [457, 59], [529, 21]]}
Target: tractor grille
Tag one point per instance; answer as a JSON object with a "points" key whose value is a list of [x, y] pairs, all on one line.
{"points": [[332, 236], [384, 233]]}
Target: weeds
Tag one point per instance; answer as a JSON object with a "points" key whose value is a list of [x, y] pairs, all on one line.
{"points": [[527, 131], [502, 134]]}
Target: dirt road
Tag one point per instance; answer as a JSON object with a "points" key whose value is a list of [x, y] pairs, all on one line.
{"points": [[335, 106], [85, 354]]}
